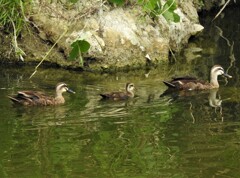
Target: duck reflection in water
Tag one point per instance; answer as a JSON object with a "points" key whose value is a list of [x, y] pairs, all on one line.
{"points": [[199, 111], [216, 102], [197, 101], [213, 100]]}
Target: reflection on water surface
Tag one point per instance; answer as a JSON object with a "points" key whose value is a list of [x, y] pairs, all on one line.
{"points": [[193, 134]]}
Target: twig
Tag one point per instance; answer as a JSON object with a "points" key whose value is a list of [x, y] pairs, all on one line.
{"points": [[173, 55], [48, 53], [221, 10]]}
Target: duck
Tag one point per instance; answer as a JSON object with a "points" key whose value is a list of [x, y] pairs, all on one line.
{"points": [[120, 95], [192, 83], [38, 98]]}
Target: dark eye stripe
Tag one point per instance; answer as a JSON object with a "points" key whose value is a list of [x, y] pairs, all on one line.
{"points": [[218, 68]]}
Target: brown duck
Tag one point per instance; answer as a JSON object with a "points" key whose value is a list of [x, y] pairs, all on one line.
{"points": [[120, 95], [192, 83], [38, 98]]}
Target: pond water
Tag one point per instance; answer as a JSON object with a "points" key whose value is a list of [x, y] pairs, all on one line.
{"points": [[194, 134]]}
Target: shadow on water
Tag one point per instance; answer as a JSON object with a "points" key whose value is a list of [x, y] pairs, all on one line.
{"points": [[191, 134]]}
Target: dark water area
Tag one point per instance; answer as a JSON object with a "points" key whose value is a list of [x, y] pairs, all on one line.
{"points": [[191, 134]]}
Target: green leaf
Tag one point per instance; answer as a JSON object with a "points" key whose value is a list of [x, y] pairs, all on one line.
{"points": [[78, 47], [75, 52], [171, 4], [168, 11], [168, 16], [176, 17], [154, 8], [171, 16], [151, 5], [118, 2], [84, 46]]}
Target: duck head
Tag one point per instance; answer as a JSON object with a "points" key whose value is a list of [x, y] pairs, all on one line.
{"points": [[218, 70], [62, 87], [130, 87]]}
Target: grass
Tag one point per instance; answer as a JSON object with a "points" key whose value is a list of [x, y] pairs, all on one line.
{"points": [[13, 20], [13, 11]]}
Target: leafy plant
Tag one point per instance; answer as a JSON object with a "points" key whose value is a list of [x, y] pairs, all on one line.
{"points": [[78, 48], [117, 2], [155, 8], [168, 11]]}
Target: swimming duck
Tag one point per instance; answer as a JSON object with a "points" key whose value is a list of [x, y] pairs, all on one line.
{"points": [[192, 83], [34, 98], [120, 95]]}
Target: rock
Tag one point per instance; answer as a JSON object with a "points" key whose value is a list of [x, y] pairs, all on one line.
{"points": [[119, 36]]}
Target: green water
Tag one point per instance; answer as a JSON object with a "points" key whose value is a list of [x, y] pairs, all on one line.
{"points": [[178, 135]]}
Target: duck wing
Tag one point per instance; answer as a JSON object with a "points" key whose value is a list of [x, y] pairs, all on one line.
{"points": [[34, 95], [188, 78], [115, 96], [30, 98], [185, 83]]}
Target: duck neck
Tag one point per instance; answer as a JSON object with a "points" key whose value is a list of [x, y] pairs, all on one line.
{"points": [[59, 98], [214, 81], [130, 94]]}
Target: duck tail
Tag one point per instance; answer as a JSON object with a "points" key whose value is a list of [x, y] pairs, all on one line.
{"points": [[104, 96], [170, 85]]}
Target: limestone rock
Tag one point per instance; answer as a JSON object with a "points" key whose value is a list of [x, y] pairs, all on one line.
{"points": [[119, 36]]}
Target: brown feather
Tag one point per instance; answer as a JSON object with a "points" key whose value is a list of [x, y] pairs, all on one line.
{"points": [[120, 95], [192, 83], [38, 98]]}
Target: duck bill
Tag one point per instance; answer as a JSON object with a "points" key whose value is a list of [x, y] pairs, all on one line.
{"points": [[227, 75], [70, 91]]}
